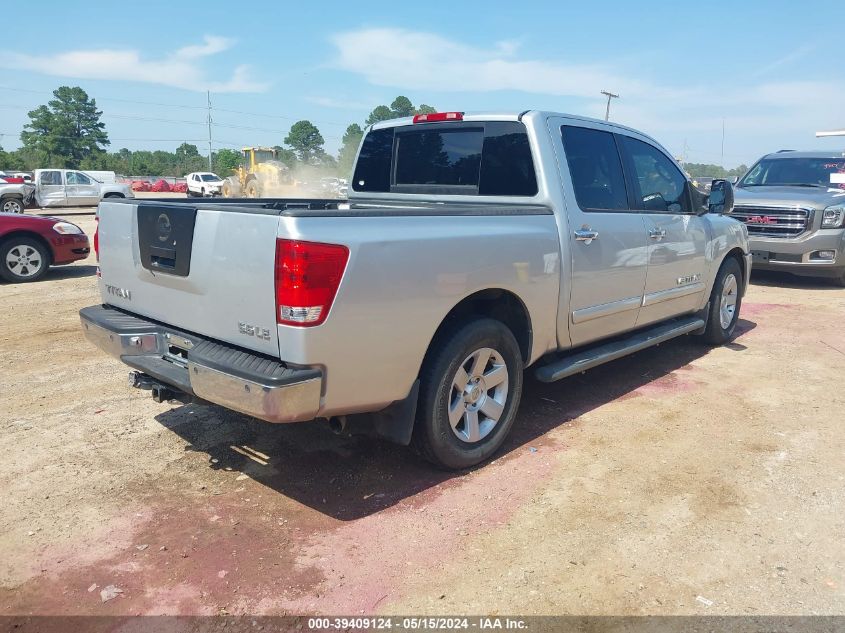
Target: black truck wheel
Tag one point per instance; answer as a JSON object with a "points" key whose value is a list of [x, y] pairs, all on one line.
{"points": [[470, 389]]}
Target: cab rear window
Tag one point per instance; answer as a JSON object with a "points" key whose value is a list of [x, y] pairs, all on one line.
{"points": [[492, 158]]}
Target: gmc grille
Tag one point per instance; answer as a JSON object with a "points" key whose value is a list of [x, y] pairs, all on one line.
{"points": [[773, 221]]}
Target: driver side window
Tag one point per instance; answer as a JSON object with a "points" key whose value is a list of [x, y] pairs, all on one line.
{"points": [[659, 186]]}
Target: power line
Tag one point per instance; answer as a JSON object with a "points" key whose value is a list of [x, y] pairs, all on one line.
{"points": [[178, 105]]}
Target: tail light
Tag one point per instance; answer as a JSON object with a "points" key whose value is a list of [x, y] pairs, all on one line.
{"points": [[97, 237], [439, 116], [307, 278]]}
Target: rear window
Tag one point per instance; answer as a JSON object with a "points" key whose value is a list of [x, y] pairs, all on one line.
{"points": [[439, 157], [492, 158]]}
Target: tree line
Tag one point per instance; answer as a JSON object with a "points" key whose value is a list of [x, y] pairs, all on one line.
{"points": [[67, 133], [707, 170]]}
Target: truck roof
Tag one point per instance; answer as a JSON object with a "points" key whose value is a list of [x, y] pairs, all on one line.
{"points": [[790, 153], [507, 116]]}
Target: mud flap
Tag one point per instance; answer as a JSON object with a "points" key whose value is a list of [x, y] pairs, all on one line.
{"points": [[394, 423]]}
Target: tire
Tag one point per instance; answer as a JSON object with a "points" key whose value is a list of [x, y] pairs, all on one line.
{"points": [[252, 190], [840, 281], [476, 433], [202, 192], [189, 193], [23, 259], [725, 303], [113, 195], [11, 205]]}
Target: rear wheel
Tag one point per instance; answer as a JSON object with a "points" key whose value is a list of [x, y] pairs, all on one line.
{"points": [[725, 302], [11, 205], [470, 389], [23, 259]]}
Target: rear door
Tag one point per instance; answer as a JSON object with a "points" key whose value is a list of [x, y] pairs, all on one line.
{"points": [[607, 240], [50, 189], [677, 236], [82, 190]]}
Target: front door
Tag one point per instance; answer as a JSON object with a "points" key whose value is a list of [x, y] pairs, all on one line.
{"points": [[677, 236], [82, 190], [607, 240], [50, 189]]}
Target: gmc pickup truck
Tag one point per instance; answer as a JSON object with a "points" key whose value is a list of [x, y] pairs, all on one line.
{"points": [[794, 206], [471, 247]]}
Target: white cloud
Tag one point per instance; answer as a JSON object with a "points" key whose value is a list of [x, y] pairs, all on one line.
{"points": [[181, 69], [426, 61]]}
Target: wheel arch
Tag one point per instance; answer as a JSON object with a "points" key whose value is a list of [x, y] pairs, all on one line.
{"points": [[15, 196], [114, 194], [7, 237], [737, 254], [494, 303]]}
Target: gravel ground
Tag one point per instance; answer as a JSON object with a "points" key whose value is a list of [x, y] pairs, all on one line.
{"points": [[682, 480]]}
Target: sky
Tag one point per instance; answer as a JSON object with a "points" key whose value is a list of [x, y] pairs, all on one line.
{"points": [[771, 72]]}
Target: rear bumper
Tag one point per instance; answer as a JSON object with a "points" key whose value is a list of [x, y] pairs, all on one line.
{"points": [[217, 372], [801, 256]]}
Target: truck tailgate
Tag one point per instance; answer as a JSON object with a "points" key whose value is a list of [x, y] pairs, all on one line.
{"points": [[209, 271]]}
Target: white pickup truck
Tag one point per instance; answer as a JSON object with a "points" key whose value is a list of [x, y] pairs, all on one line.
{"points": [[471, 247], [74, 188]]}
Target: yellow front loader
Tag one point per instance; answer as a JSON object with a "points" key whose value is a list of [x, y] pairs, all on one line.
{"points": [[259, 174]]}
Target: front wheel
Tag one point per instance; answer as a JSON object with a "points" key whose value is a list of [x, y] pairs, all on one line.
{"points": [[23, 259], [725, 302], [12, 205], [252, 189], [470, 389]]}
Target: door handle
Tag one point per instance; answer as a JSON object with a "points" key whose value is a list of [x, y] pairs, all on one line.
{"points": [[586, 235], [657, 234]]}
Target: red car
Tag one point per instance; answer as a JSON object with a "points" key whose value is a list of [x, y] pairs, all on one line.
{"points": [[30, 244]]}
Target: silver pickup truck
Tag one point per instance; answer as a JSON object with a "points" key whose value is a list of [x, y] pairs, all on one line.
{"points": [[471, 247]]}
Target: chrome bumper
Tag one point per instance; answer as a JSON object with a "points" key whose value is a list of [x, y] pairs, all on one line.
{"points": [[209, 370]]}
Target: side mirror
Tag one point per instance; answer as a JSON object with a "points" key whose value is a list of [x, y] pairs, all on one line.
{"points": [[721, 198], [734, 180]]}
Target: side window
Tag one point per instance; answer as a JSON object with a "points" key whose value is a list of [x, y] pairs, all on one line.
{"points": [[662, 188], [596, 169], [50, 178], [75, 178]]}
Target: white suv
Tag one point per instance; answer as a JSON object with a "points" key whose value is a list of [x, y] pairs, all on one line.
{"points": [[204, 183]]}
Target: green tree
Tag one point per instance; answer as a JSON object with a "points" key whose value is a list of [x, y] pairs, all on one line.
{"points": [[226, 161], [67, 130], [379, 113], [351, 140], [426, 109], [285, 155], [306, 141], [402, 106]]}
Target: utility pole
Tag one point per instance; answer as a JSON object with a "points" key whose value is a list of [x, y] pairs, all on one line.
{"points": [[208, 96], [610, 96]]}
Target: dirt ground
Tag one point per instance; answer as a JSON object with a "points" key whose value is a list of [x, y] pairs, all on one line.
{"points": [[682, 480]]}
